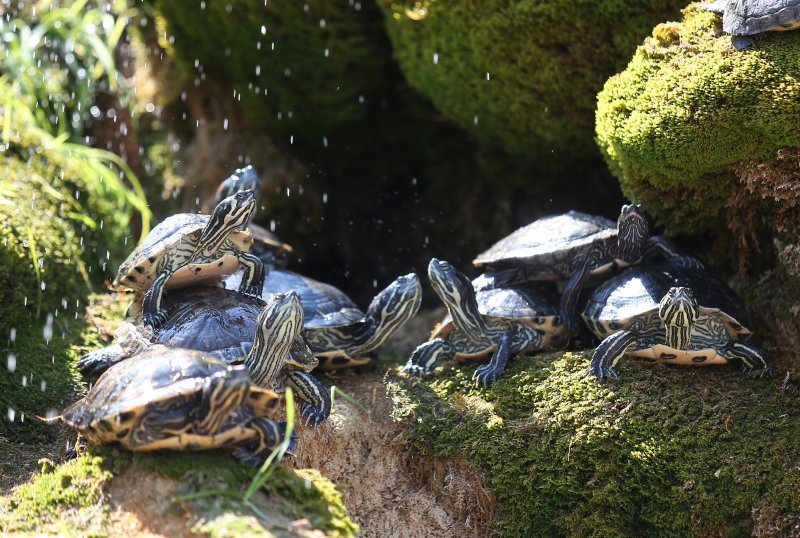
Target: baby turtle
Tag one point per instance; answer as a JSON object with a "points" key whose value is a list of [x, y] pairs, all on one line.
{"points": [[745, 18], [179, 399], [337, 331], [191, 248], [267, 246], [226, 324], [670, 314], [574, 246], [500, 321]]}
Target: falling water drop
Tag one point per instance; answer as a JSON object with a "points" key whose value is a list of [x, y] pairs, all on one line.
{"points": [[48, 329], [12, 362]]}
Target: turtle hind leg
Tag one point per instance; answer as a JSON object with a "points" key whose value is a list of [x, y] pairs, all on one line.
{"points": [[755, 359], [315, 396], [569, 299], [428, 355], [268, 435], [609, 352], [96, 362], [153, 315]]}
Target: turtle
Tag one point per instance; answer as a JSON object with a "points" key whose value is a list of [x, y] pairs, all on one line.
{"points": [[181, 399], [573, 246], [672, 314], [743, 19], [190, 248], [225, 323], [267, 246], [336, 330], [494, 319]]}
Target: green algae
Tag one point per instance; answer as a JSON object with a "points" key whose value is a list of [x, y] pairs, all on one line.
{"points": [[689, 108], [660, 452], [520, 75]]}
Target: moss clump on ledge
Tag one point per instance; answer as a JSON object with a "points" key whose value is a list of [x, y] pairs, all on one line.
{"points": [[520, 75], [663, 451], [299, 68], [689, 109]]}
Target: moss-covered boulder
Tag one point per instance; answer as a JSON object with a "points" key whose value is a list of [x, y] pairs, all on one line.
{"points": [[63, 229], [298, 68], [662, 451], [521, 75], [689, 126]]}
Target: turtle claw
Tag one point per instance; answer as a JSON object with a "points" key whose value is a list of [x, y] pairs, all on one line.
{"points": [[601, 372], [485, 375], [252, 289], [154, 320], [415, 370], [313, 415]]}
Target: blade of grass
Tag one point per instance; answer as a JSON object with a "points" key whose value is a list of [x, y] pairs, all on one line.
{"points": [[362, 407], [266, 469]]}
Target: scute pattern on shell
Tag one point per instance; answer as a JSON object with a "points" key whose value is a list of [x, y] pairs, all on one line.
{"points": [[548, 239], [747, 17], [166, 234]]}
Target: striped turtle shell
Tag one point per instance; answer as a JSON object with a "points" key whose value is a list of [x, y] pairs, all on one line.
{"points": [[636, 292], [139, 270], [160, 378], [548, 242], [537, 303]]}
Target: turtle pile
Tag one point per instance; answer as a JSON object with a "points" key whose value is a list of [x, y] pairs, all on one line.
{"points": [[662, 307], [218, 326], [217, 329]]}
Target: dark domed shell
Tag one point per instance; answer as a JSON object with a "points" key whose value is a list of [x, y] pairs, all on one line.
{"points": [[208, 318], [323, 304], [548, 235], [639, 290], [158, 375]]}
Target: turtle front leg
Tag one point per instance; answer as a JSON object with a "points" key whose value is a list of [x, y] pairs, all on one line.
{"points": [[568, 309], [754, 358], [152, 314], [254, 274], [609, 352], [428, 355], [659, 246], [490, 372], [315, 396], [98, 361]]}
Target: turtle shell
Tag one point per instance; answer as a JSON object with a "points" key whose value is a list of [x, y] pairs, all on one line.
{"points": [[756, 16], [537, 303], [140, 268], [208, 318], [323, 305], [164, 378], [636, 292], [547, 242]]}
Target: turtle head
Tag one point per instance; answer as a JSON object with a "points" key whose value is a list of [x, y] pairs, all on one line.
{"points": [[243, 179], [277, 326], [390, 310], [633, 229], [456, 292], [231, 213], [678, 310]]}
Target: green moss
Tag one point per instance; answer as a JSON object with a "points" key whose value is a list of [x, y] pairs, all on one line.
{"points": [[660, 452], [688, 107], [288, 496], [301, 68], [545, 62], [76, 486]]}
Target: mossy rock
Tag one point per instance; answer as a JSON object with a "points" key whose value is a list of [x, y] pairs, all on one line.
{"points": [[680, 123], [663, 451], [197, 492], [521, 75], [299, 68]]}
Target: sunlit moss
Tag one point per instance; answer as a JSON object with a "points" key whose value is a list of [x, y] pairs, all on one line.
{"points": [[663, 451], [688, 107]]}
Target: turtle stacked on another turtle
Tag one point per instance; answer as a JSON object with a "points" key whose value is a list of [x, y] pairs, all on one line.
{"points": [[744, 19]]}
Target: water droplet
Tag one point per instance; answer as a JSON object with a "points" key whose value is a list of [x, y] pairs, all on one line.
{"points": [[324, 197], [43, 385], [13, 334], [24, 381], [11, 414], [263, 30], [435, 58], [48, 328], [12, 362], [225, 124]]}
